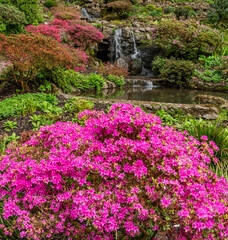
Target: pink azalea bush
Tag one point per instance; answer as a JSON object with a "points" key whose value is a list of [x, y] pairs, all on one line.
{"points": [[76, 31], [120, 176], [47, 30]]}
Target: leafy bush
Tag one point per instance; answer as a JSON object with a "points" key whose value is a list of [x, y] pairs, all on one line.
{"points": [[151, 7], [23, 104], [158, 64], [122, 174], [5, 140], [63, 8], [153, 13], [168, 10], [66, 79], [186, 39], [211, 61], [30, 8], [177, 71], [29, 53], [224, 66], [9, 125], [119, 81], [121, 8], [182, 11], [209, 76], [219, 12], [96, 81], [50, 3], [166, 118], [11, 19], [76, 105], [66, 16]]}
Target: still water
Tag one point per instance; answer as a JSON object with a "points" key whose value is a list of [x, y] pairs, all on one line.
{"points": [[155, 94]]}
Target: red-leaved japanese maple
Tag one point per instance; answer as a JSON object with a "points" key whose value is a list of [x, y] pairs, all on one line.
{"points": [[28, 53]]}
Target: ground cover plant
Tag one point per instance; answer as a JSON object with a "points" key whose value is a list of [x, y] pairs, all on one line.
{"points": [[137, 178], [24, 104]]}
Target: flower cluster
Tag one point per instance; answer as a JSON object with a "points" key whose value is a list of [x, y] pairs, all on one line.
{"points": [[80, 33], [120, 175]]}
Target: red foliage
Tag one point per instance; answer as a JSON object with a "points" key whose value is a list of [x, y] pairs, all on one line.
{"points": [[112, 69], [28, 53]]}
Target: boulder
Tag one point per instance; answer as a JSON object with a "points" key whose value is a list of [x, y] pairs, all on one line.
{"points": [[123, 62], [135, 66]]}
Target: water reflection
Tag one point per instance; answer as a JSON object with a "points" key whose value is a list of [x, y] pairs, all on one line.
{"points": [[155, 94]]}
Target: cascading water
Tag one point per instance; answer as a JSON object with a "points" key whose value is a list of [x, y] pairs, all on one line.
{"points": [[144, 84], [136, 53], [116, 49], [85, 14]]}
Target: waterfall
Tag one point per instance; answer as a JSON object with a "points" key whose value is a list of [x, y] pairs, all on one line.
{"points": [[116, 49], [85, 14], [142, 83], [136, 53]]}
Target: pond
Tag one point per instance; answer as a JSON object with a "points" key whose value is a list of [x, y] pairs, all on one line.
{"points": [[155, 94]]}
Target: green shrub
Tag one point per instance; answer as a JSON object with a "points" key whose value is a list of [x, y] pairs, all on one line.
{"points": [[66, 79], [182, 11], [219, 12], [153, 13], [168, 10], [158, 64], [76, 105], [159, 10], [166, 117], [30, 8], [120, 8], [186, 39], [23, 104], [119, 81], [50, 3], [178, 72], [5, 140], [12, 20], [209, 76], [96, 81], [151, 7], [211, 61]]}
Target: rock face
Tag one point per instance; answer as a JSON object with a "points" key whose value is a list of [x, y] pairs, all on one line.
{"points": [[141, 33], [123, 62], [217, 101], [139, 26]]}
